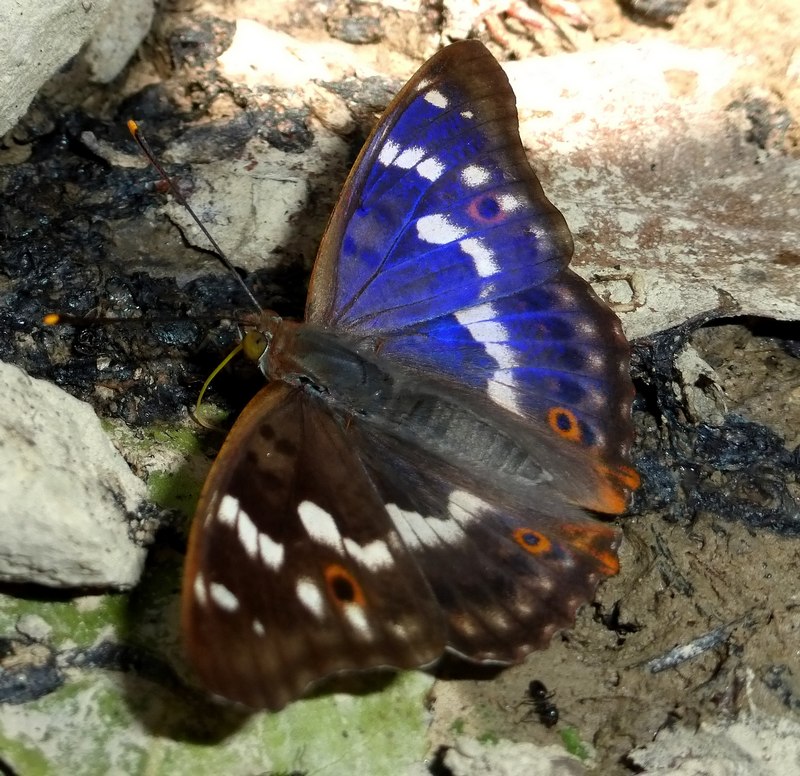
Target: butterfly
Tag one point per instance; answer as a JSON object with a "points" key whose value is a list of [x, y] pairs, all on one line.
{"points": [[420, 471]]}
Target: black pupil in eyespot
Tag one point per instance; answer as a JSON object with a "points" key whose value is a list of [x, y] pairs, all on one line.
{"points": [[343, 589]]}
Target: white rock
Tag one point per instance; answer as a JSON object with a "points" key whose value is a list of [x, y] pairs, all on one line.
{"points": [[116, 38], [37, 37], [754, 745], [34, 627], [638, 147], [470, 757], [65, 491]]}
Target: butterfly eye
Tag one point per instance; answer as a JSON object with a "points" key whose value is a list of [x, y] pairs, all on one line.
{"points": [[254, 344]]}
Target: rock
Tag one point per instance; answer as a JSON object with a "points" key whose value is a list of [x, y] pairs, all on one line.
{"points": [[66, 494]]}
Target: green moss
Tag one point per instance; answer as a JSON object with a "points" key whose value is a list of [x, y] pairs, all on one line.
{"points": [[102, 723], [79, 621], [174, 490], [573, 744]]}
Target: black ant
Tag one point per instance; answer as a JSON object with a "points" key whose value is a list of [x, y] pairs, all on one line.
{"points": [[539, 699]]}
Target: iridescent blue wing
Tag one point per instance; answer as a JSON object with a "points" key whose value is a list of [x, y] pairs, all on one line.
{"points": [[443, 254], [553, 355], [442, 209]]}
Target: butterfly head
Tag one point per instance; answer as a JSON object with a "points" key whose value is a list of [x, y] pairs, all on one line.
{"points": [[259, 333]]}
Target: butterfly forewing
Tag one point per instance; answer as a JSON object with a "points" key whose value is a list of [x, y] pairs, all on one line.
{"points": [[441, 185], [295, 571]]}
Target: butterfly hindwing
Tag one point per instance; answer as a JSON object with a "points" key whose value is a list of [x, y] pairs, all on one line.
{"points": [[294, 560], [508, 568], [535, 354]]}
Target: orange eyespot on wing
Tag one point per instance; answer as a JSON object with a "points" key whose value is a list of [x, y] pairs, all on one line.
{"points": [[564, 423], [342, 586], [534, 542], [486, 209]]}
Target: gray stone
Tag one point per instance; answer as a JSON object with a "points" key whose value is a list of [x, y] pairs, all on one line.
{"points": [[65, 493]]}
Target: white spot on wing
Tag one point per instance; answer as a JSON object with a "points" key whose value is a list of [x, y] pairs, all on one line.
{"points": [[228, 510], [258, 628], [413, 528], [247, 533], [310, 597], [319, 524], [254, 542], [357, 619], [505, 356], [438, 230], [388, 153], [271, 552], [505, 395], [509, 203], [409, 157], [481, 323], [482, 258], [464, 506], [485, 329], [488, 332], [200, 590], [477, 314], [473, 175], [436, 98], [467, 114], [374, 556], [223, 597], [418, 531], [431, 169]]}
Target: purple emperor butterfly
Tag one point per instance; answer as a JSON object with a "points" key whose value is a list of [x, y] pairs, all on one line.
{"points": [[419, 472]]}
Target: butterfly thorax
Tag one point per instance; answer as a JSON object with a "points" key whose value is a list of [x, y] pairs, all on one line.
{"points": [[326, 363]]}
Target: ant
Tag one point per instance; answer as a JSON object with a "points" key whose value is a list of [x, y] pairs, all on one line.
{"points": [[539, 699]]}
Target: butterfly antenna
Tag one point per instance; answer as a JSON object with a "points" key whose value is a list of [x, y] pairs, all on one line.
{"points": [[133, 127]]}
